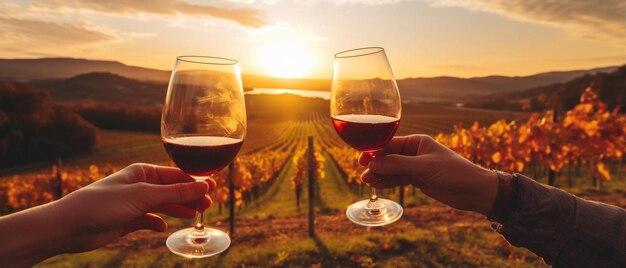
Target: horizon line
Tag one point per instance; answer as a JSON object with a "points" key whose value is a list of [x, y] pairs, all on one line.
{"points": [[320, 78]]}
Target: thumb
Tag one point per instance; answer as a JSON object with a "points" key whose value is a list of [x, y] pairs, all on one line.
{"points": [[394, 164], [178, 193]]}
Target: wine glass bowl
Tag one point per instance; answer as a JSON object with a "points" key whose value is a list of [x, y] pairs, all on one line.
{"points": [[366, 133], [201, 156], [365, 110], [203, 126]]}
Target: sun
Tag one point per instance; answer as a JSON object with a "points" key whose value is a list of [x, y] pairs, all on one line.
{"points": [[286, 60]]}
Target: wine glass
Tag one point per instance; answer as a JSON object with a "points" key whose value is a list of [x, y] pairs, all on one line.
{"points": [[202, 127], [365, 109]]}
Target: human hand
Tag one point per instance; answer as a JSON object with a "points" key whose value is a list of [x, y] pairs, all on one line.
{"points": [[438, 171], [125, 201]]}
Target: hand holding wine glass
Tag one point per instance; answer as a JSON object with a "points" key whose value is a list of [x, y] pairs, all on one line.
{"points": [[203, 126], [365, 109], [101, 213], [439, 172]]}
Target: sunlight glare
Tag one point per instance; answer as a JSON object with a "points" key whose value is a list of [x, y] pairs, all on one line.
{"points": [[286, 60]]}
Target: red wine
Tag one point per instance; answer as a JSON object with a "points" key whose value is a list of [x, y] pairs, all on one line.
{"points": [[366, 133], [201, 156]]}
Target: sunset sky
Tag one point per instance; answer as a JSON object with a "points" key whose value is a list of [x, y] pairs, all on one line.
{"points": [[297, 38]]}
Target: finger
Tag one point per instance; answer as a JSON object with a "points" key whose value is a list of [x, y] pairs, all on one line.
{"points": [[212, 184], [397, 145], [385, 183], [364, 159], [406, 145], [377, 181], [395, 164], [164, 175], [147, 221], [378, 153], [187, 210], [178, 193], [200, 204], [178, 211], [368, 176]]}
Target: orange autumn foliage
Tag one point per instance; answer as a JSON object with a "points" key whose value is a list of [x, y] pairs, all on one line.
{"points": [[588, 133]]}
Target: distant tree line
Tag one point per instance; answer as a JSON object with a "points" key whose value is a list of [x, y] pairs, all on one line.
{"points": [[110, 115], [561, 97], [32, 128]]}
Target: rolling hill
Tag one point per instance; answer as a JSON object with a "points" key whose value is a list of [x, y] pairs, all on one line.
{"points": [[108, 87], [48, 71], [63, 68], [611, 89], [453, 89]]}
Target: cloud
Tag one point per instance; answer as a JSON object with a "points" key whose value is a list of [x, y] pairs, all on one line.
{"points": [[368, 2], [596, 20], [25, 33], [252, 2], [243, 16], [336, 2]]}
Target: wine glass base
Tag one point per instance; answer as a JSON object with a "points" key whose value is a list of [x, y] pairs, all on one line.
{"points": [[213, 242], [390, 212]]}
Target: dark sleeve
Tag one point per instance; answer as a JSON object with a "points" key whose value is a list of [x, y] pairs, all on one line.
{"points": [[565, 230]]}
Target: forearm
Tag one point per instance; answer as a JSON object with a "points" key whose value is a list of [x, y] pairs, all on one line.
{"points": [[564, 229], [33, 235], [601, 227]]}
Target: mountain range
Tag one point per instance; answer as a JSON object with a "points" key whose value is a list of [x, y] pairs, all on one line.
{"points": [[67, 79], [610, 87], [453, 89], [64, 68]]}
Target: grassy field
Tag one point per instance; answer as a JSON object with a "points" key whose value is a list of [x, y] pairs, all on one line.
{"points": [[427, 236], [271, 231]]}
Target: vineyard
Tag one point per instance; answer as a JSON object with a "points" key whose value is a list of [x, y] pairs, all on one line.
{"points": [[588, 135], [267, 184]]}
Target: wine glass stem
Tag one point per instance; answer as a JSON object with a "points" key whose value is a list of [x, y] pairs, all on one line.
{"points": [[373, 195], [374, 206], [199, 228]]}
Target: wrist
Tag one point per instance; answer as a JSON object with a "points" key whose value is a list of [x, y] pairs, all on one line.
{"points": [[64, 216], [487, 190], [506, 199], [56, 231]]}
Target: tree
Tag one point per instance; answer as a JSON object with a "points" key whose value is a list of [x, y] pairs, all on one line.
{"points": [[33, 129]]}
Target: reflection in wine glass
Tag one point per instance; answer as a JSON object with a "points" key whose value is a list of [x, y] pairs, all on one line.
{"points": [[365, 109], [202, 127]]}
